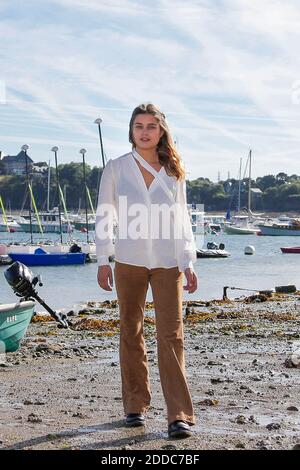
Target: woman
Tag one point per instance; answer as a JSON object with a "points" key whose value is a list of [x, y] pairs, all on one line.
{"points": [[144, 193]]}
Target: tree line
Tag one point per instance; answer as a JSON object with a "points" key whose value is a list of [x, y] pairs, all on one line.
{"points": [[279, 192]]}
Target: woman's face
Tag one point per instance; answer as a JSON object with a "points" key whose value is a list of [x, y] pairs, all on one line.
{"points": [[146, 131]]}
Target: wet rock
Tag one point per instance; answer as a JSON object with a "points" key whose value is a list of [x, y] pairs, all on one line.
{"points": [[86, 311], [214, 363], [262, 445], [169, 447], [132, 442], [28, 402], [208, 402], [241, 419], [293, 361], [42, 347], [4, 365], [80, 415], [217, 380], [273, 426], [240, 445], [33, 418], [71, 313], [256, 378], [252, 419]]}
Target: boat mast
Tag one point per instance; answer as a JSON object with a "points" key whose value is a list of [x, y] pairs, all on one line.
{"points": [[55, 149], [48, 188], [239, 196], [25, 148], [83, 151], [249, 187]]}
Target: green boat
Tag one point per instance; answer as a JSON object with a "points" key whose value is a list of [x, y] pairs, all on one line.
{"points": [[14, 321]]}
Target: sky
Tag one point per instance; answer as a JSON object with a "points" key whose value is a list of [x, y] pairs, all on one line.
{"points": [[225, 73]]}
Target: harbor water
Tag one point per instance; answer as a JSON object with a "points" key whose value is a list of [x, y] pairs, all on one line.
{"points": [[66, 287]]}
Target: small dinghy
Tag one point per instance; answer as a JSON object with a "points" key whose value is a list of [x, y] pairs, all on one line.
{"points": [[41, 257], [14, 321], [213, 251], [291, 249]]}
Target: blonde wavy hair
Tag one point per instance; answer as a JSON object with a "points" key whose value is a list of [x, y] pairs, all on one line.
{"points": [[167, 152]]}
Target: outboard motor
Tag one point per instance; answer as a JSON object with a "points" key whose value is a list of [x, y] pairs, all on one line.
{"points": [[75, 248], [212, 246], [23, 283]]}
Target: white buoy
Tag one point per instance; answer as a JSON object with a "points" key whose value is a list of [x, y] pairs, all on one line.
{"points": [[249, 250]]}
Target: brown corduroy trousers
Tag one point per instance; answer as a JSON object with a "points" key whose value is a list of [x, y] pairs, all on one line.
{"points": [[132, 285]]}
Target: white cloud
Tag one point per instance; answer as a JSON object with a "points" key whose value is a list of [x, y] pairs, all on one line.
{"points": [[222, 73]]}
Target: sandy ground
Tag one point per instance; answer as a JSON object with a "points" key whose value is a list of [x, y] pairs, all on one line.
{"points": [[61, 389]]}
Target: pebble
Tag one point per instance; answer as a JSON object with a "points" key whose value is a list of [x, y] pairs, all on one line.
{"points": [[217, 380], [292, 408], [273, 426], [169, 447], [240, 419], [33, 418], [240, 445]]}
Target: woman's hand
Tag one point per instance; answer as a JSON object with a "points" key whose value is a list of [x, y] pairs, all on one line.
{"points": [[105, 277], [192, 280]]}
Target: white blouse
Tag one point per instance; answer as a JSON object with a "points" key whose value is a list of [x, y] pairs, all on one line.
{"points": [[137, 224]]}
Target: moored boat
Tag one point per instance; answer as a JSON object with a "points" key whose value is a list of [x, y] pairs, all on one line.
{"points": [[49, 222], [213, 251], [236, 230], [291, 249], [291, 228], [41, 257]]}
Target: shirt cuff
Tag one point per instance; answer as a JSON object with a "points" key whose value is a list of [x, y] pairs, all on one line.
{"points": [[189, 265], [102, 260]]}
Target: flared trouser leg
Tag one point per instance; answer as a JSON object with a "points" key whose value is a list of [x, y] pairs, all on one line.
{"points": [[131, 285], [166, 287]]}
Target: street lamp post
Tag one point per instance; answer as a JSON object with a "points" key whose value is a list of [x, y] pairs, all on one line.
{"points": [[98, 122], [25, 148], [83, 151], [55, 150]]}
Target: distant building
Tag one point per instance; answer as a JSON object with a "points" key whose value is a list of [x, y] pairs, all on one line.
{"points": [[16, 164]]}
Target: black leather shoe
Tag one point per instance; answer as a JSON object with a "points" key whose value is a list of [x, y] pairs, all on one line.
{"points": [[135, 420], [179, 430]]}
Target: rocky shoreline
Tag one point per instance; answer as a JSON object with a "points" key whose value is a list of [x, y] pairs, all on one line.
{"points": [[61, 389]]}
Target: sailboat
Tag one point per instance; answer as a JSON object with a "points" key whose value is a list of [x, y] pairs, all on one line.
{"points": [[240, 223]]}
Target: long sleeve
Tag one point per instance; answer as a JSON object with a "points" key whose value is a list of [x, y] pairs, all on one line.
{"points": [[188, 254], [106, 215]]}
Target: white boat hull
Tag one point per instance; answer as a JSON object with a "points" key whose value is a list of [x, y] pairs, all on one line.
{"points": [[232, 230]]}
